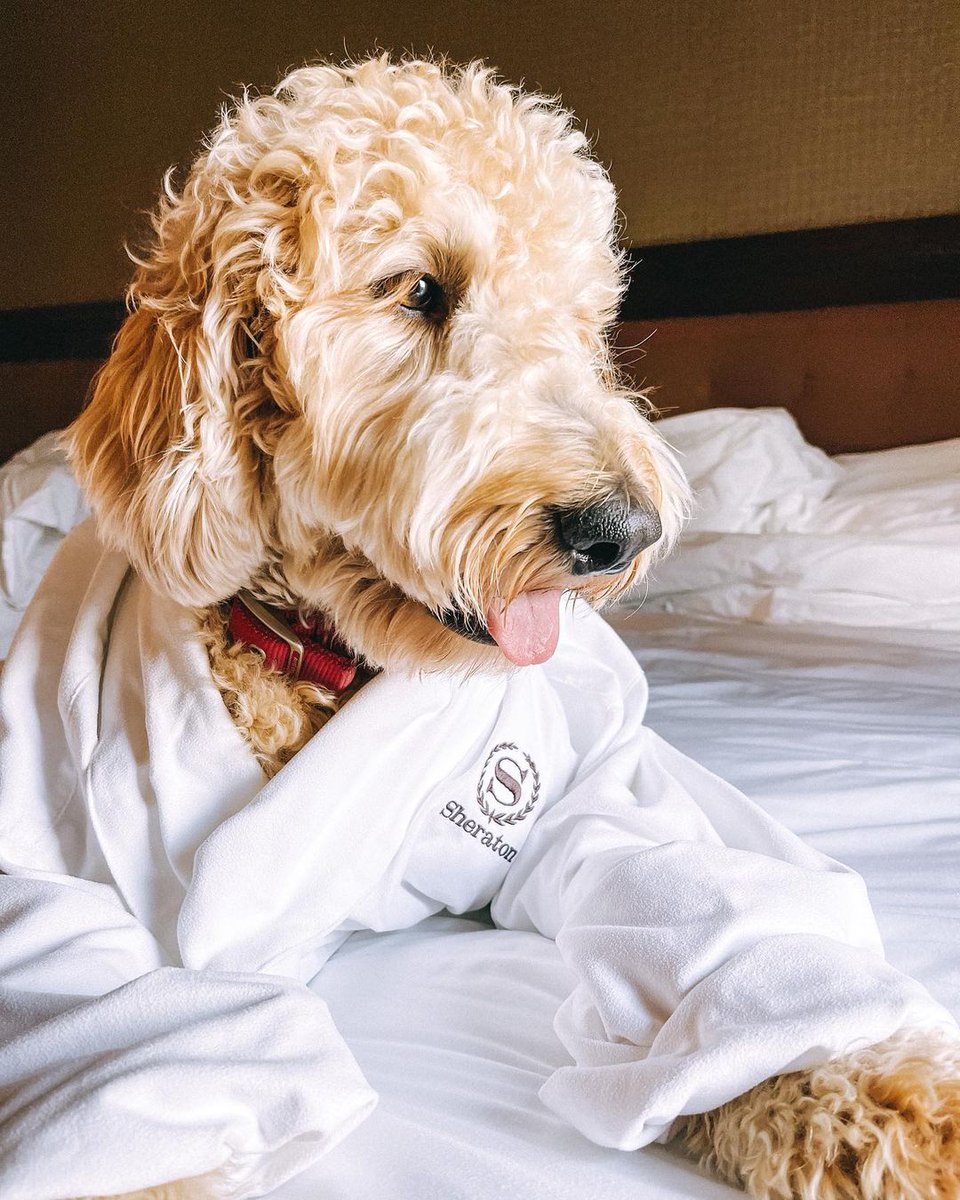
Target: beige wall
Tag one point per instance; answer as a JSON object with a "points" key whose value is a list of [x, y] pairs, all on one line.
{"points": [[716, 118]]}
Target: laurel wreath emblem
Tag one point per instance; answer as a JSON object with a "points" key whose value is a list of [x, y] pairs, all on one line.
{"points": [[508, 818]]}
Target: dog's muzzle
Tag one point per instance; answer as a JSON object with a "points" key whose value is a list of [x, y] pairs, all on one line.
{"points": [[603, 539], [600, 539]]}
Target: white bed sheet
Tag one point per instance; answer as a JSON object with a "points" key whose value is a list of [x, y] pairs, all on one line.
{"points": [[850, 738]]}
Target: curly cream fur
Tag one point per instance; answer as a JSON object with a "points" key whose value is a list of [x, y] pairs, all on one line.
{"points": [[882, 1123], [274, 416]]}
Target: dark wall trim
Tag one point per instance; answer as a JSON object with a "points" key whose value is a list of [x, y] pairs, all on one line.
{"points": [[61, 332], [880, 263]]}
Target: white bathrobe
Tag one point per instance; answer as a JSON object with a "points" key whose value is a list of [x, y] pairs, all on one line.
{"points": [[164, 907]]}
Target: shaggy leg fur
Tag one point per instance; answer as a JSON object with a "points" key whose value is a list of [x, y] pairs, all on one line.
{"points": [[880, 1124]]}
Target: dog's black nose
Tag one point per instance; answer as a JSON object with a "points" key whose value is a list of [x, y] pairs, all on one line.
{"points": [[605, 538]]}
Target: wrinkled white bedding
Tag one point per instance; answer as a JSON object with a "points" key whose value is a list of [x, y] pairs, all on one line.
{"points": [[782, 534], [850, 737]]}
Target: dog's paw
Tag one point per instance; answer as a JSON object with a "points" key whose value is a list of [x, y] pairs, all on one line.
{"points": [[880, 1124]]}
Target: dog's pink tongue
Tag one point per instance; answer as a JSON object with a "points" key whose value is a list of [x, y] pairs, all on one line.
{"points": [[527, 629]]}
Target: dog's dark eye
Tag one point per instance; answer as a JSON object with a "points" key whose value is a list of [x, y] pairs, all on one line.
{"points": [[426, 296]]}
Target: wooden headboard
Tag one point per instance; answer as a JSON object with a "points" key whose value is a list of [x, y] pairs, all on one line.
{"points": [[861, 378], [855, 330]]}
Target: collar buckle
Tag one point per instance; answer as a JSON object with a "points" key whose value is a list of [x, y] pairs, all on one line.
{"points": [[278, 628]]}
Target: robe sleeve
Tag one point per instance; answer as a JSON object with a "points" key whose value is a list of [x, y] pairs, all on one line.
{"points": [[118, 1071], [713, 949]]}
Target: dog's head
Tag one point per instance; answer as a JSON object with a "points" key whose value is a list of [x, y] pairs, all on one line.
{"points": [[366, 371]]}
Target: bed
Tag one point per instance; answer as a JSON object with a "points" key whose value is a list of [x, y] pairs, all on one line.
{"points": [[804, 644]]}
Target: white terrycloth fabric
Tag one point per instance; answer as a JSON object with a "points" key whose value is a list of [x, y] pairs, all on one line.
{"points": [[164, 905], [40, 502]]}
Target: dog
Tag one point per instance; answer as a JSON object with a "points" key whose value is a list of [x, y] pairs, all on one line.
{"points": [[365, 374]]}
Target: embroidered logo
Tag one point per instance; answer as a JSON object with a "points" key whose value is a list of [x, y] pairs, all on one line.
{"points": [[509, 785]]}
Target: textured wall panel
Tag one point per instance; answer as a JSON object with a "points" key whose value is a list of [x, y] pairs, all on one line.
{"points": [[770, 116], [718, 117]]}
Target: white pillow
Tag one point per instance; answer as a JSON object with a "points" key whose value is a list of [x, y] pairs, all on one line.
{"points": [[750, 468], [906, 466], [876, 544], [903, 491], [860, 579]]}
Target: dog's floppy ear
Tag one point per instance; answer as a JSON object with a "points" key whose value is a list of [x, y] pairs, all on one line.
{"points": [[170, 450]]}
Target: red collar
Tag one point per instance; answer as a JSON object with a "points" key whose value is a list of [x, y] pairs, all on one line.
{"points": [[310, 652]]}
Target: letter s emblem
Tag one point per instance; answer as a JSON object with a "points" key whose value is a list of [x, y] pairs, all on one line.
{"points": [[504, 777]]}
